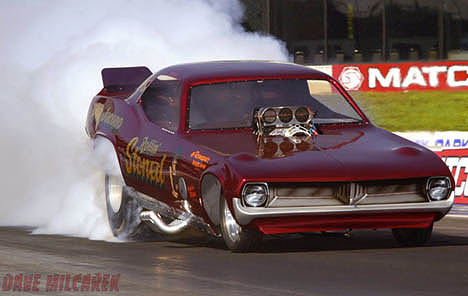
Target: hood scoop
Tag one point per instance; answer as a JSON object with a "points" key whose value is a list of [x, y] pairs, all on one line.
{"points": [[285, 121], [408, 150]]}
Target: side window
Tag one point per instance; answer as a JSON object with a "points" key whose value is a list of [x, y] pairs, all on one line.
{"points": [[161, 103]]}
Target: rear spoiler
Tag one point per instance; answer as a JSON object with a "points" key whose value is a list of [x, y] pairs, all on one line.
{"points": [[124, 79]]}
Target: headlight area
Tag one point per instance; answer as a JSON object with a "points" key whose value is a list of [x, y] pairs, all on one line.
{"points": [[438, 188], [255, 194]]}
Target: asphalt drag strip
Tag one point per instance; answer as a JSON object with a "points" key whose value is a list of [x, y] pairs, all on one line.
{"points": [[367, 263]]}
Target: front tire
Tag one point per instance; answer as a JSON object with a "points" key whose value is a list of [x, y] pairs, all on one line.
{"points": [[409, 237], [236, 237]]}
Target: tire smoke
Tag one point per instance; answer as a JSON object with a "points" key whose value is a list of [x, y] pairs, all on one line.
{"points": [[51, 57]]}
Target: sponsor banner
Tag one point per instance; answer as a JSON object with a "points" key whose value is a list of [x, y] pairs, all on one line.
{"points": [[457, 162], [403, 76], [438, 140], [452, 147]]}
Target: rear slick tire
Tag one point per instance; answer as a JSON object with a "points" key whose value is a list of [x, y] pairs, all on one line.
{"points": [[411, 237], [123, 211], [236, 237]]}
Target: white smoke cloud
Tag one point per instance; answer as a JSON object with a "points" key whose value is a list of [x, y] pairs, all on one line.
{"points": [[51, 57]]}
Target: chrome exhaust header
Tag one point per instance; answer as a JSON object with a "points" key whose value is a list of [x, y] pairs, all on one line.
{"points": [[156, 223], [181, 219]]}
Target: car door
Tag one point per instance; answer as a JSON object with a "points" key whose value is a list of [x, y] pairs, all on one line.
{"points": [[154, 151]]}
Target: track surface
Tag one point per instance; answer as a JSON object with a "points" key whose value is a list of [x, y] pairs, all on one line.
{"points": [[368, 263]]}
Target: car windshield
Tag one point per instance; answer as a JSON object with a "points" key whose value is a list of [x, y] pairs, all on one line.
{"points": [[229, 105]]}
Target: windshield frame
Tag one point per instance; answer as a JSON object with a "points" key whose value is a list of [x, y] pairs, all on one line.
{"points": [[344, 94]]}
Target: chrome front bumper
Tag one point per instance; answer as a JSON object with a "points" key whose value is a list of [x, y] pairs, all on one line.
{"points": [[244, 215]]}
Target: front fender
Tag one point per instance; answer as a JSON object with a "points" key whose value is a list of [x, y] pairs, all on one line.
{"points": [[218, 181]]}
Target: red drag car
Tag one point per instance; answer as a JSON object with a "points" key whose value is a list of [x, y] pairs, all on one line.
{"points": [[240, 149]]}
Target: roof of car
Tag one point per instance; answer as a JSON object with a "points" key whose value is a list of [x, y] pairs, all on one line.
{"points": [[223, 70]]}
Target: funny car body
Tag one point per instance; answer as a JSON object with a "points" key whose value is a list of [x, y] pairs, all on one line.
{"points": [[239, 149]]}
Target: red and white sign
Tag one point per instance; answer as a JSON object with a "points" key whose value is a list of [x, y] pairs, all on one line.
{"points": [[351, 78], [403, 76], [457, 162], [452, 147]]}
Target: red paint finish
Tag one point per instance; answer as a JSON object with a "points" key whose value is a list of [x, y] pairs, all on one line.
{"points": [[342, 222], [342, 152], [197, 73]]}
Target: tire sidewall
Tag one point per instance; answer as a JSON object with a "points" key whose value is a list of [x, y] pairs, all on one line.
{"points": [[248, 239], [121, 222], [231, 244]]}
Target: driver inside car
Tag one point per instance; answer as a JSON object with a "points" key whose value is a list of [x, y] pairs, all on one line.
{"points": [[220, 105]]}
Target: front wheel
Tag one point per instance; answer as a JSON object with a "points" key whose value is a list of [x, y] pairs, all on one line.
{"points": [[236, 237], [412, 236]]}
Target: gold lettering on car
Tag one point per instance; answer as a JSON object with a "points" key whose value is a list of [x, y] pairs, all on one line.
{"points": [[138, 164], [98, 109], [107, 117], [149, 147]]}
